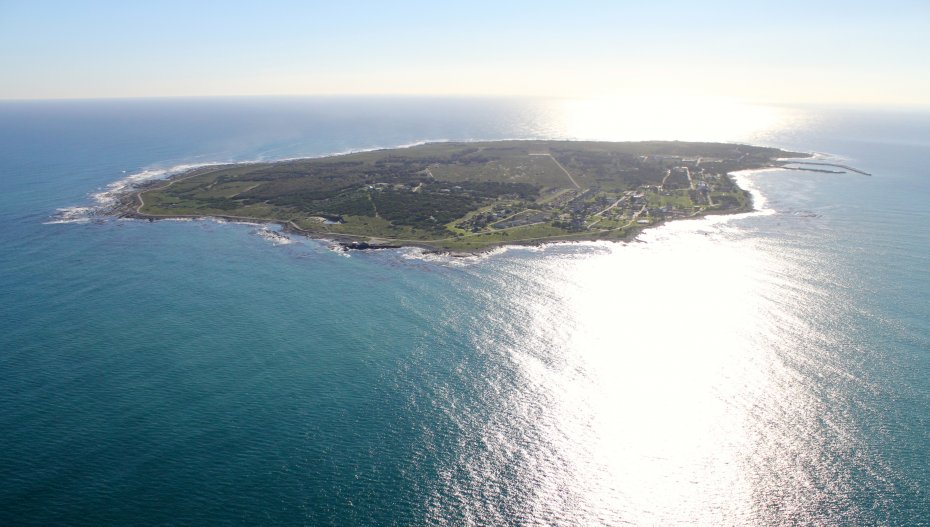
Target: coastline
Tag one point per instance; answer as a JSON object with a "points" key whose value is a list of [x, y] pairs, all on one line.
{"points": [[129, 202], [129, 205]]}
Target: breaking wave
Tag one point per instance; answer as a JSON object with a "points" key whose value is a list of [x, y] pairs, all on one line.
{"points": [[275, 237], [106, 199]]}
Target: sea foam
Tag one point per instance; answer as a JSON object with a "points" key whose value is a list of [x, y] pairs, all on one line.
{"points": [[275, 237], [103, 201]]}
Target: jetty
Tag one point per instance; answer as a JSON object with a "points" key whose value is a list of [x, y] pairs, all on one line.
{"points": [[820, 163]]}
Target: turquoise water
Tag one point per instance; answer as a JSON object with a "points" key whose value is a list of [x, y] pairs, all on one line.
{"points": [[767, 369]]}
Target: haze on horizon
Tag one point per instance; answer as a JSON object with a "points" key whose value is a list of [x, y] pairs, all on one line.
{"points": [[793, 52]]}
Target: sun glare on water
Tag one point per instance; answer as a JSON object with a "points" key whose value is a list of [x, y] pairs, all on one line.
{"points": [[643, 384], [683, 119], [650, 379]]}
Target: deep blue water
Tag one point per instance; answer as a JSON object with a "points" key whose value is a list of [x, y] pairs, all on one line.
{"points": [[769, 369]]}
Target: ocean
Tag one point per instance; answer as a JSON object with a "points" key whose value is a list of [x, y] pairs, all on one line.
{"points": [[770, 368]]}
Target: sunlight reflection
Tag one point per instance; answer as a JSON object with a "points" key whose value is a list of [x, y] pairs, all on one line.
{"points": [[685, 119], [650, 404]]}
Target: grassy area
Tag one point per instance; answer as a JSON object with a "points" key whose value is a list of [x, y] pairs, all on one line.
{"points": [[535, 170], [677, 199]]}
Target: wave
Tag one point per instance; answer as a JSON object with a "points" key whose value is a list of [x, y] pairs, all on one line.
{"points": [[275, 237], [231, 221], [760, 206], [72, 215], [105, 200], [108, 196], [445, 258], [462, 259]]}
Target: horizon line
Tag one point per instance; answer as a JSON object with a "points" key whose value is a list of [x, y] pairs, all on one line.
{"points": [[412, 95]]}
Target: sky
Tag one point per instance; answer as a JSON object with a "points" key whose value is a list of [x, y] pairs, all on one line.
{"points": [[850, 52]]}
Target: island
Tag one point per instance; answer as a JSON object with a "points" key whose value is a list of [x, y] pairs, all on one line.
{"points": [[467, 197]]}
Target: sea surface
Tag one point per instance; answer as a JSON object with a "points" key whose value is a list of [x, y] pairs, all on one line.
{"points": [[771, 368]]}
